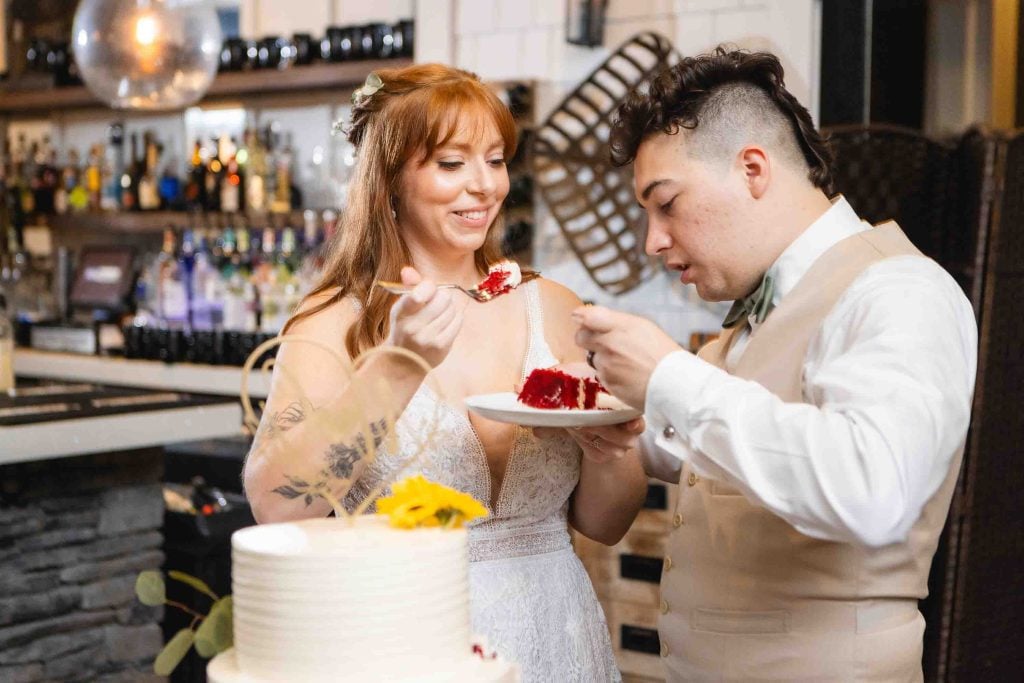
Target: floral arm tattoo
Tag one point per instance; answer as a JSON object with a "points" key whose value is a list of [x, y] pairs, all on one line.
{"points": [[281, 421], [341, 460]]}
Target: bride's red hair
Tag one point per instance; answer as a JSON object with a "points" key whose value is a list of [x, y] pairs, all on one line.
{"points": [[418, 109]]}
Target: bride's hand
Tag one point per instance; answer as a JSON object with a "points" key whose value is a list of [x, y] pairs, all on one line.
{"points": [[426, 320], [601, 444]]}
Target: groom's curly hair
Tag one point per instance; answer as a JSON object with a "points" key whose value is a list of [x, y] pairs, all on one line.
{"points": [[725, 99]]}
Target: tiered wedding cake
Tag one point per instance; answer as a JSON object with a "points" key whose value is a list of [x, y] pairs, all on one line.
{"points": [[329, 600]]}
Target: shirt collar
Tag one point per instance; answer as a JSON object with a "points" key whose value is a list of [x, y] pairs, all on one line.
{"points": [[836, 224]]}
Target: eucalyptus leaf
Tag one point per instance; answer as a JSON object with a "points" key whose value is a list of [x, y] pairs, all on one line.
{"points": [[198, 584], [174, 651], [150, 588], [216, 633]]}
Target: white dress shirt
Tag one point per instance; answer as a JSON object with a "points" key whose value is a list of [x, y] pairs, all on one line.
{"points": [[888, 381]]}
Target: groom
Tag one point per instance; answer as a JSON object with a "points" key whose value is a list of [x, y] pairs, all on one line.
{"points": [[817, 442]]}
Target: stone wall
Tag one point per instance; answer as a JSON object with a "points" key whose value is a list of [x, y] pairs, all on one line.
{"points": [[74, 533]]}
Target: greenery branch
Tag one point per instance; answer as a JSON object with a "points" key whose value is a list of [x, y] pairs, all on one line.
{"points": [[210, 633]]}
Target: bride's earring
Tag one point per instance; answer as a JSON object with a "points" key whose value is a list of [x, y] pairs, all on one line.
{"points": [[394, 211]]}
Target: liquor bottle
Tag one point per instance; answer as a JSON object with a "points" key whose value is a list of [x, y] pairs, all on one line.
{"points": [[78, 196], [207, 288], [172, 285], [282, 202], [16, 214], [48, 177], [255, 172], [148, 192], [94, 179], [212, 178], [169, 187], [130, 179], [112, 168], [194, 193], [26, 177], [68, 182], [231, 190]]}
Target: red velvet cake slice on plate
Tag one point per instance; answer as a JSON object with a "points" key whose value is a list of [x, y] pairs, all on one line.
{"points": [[553, 389]]}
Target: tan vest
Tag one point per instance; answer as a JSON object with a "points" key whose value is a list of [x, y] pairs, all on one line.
{"points": [[747, 597]]}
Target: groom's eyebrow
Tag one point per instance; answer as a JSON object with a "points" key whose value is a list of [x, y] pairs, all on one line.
{"points": [[650, 188]]}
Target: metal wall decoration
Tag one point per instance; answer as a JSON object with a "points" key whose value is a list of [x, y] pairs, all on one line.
{"points": [[593, 201]]}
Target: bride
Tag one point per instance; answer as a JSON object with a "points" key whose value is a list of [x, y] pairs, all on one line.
{"points": [[424, 206]]}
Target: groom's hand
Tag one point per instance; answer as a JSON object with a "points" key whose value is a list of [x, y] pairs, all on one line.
{"points": [[626, 349]]}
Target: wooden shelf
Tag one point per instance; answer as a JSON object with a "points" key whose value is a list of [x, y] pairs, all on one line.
{"points": [[157, 221], [333, 79]]}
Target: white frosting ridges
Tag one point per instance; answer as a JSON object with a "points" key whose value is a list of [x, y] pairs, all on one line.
{"points": [[327, 600]]}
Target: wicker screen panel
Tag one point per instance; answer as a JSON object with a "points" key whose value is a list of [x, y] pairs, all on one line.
{"points": [[889, 172], [987, 642], [593, 201]]}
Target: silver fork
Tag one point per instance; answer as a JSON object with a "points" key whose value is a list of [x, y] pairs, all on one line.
{"points": [[472, 292]]}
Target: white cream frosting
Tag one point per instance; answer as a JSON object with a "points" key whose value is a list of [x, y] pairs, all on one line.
{"points": [[326, 600], [515, 273]]}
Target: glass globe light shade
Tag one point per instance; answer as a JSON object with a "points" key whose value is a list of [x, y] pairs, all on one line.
{"points": [[147, 54]]}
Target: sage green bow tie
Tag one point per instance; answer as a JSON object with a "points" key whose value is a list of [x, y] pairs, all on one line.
{"points": [[759, 304]]}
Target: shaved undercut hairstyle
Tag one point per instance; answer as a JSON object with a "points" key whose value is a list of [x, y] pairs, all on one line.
{"points": [[724, 100]]}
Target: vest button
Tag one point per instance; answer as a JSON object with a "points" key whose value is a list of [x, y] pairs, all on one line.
{"points": [[668, 432], [664, 649], [692, 479], [677, 520], [668, 563], [664, 607]]}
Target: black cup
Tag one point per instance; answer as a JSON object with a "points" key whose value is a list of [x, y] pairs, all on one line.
{"points": [[336, 45], [233, 55], [269, 52], [407, 28], [305, 49], [250, 54], [36, 54]]}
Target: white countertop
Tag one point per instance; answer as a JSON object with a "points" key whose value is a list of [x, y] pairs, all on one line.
{"points": [[60, 438], [150, 374]]}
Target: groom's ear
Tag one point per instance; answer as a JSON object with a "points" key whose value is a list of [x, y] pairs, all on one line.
{"points": [[756, 167]]}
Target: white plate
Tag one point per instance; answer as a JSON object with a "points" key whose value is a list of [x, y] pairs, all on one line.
{"points": [[505, 407]]}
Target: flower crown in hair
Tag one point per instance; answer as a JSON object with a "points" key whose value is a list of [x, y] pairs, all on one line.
{"points": [[372, 84]]}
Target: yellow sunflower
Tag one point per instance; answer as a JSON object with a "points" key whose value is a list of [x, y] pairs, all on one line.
{"points": [[417, 502]]}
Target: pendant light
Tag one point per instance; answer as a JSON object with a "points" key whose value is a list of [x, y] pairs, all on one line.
{"points": [[147, 54]]}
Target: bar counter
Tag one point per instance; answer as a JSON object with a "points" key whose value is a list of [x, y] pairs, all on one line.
{"points": [[76, 405], [82, 463]]}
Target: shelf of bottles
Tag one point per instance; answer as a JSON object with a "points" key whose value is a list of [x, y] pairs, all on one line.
{"points": [[242, 241], [211, 295]]}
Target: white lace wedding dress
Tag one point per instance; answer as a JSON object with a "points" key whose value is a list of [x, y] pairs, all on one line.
{"points": [[530, 595]]}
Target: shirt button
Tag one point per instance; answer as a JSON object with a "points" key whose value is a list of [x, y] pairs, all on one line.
{"points": [[664, 649], [668, 563], [677, 520], [668, 432], [664, 607], [692, 479]]}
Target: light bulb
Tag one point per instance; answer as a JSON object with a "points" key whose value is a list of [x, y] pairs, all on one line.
{"points": [[146, 26]]}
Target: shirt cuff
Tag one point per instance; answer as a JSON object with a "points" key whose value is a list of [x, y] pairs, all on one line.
{"points": [[673, 392]]}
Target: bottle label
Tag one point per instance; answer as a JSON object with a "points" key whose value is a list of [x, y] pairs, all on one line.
{"points": [[175, 300]]}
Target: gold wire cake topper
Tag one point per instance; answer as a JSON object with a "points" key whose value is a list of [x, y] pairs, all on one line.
{"points": [[312, 478]]}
